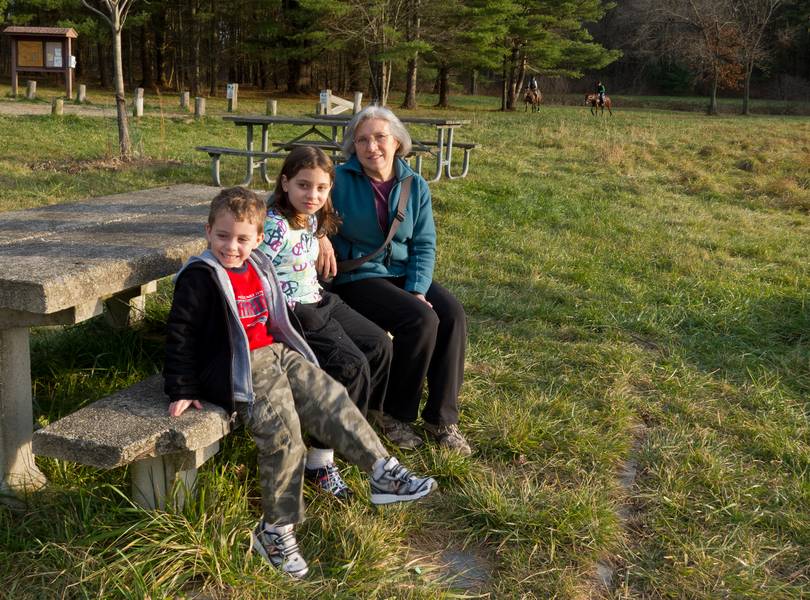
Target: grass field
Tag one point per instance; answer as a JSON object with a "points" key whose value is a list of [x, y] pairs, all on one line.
{"points": [[637, 379]]}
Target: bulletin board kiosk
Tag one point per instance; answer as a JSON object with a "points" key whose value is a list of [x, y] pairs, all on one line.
{"points": [[42, 50]]}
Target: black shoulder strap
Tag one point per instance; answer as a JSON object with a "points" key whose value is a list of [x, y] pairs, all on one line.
{"points": [[345, 266]]}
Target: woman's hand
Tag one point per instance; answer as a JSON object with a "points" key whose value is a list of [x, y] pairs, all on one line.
{"points": [[422, 298], [326, 265], [178, 407]]}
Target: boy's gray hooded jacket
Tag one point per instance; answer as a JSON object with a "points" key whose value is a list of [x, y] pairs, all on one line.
{"points": [[207, 351]]}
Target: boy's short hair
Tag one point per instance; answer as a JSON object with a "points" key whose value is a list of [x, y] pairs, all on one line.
{"points": [[242, 203]]}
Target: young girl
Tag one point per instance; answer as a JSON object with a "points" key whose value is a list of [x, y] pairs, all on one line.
{"points": [[350, 348]]}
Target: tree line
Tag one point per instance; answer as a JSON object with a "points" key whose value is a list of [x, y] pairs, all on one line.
{"points": [[301, 46]]}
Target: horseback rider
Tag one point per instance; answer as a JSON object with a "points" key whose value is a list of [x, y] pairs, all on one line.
{"points": [[533, 84], [600, 93]]}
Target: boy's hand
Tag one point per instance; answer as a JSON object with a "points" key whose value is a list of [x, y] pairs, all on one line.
{"points": [[178, 407]]}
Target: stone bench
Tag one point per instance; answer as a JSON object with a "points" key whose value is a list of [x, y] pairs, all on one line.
{"points": [[133, 426]]}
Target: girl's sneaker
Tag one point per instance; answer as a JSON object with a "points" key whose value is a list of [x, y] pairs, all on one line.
{"points": [[391, 482], [280, 549], [329, 480]]}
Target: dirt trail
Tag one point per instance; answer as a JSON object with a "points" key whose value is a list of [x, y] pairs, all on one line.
{"points": [[13, 107]]}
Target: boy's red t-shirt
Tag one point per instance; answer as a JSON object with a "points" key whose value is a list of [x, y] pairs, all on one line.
{"points": [[252, 305]]}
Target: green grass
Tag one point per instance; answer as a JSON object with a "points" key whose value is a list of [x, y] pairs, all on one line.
{"points": [[636, 289]]}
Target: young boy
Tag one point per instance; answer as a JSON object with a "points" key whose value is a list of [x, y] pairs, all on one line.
{"points": [[230, 342]]}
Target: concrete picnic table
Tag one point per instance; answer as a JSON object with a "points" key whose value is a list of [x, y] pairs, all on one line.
{"points": [[63, 264]]}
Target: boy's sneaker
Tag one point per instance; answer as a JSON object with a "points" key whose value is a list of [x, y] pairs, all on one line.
{"points": [[398, 433], [449, 436], [328, 479], [391, 482], [280, 550]]}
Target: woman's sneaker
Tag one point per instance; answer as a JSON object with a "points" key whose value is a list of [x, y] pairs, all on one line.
{"points": [[448, 436], [280, 549], [328, 479], [391, 482], [398, 432]]}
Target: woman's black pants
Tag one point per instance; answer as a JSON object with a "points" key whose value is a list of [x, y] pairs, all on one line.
{"points": [[428, 343]]}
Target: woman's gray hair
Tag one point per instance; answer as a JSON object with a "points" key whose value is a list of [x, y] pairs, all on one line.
{"points": [[377, 112]]}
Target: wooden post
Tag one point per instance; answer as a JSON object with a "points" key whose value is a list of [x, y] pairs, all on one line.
{"points": [[31, 89], [68, 70], [199, 107], [138, 101], [185, 101], [81, 95], [358, 102], [57, 107], [14, 81], [233, 96], [272, 108]]}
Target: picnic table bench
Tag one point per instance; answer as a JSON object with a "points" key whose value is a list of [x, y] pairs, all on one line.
{"points": [[63, 264]]}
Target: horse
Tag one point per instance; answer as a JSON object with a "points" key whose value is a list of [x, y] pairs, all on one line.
{"points": [[533, 98], [592, 100]]}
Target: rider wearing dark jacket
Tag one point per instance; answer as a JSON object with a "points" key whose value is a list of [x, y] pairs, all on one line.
{"points": [[600, 93]]}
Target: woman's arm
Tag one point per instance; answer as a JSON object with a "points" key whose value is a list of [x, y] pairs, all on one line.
{"points": [[422, 245]]}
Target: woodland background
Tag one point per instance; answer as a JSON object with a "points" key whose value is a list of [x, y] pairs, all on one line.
{"points": [[291, 47]]}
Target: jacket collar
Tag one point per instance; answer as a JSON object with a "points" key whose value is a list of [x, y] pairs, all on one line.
{"points": [[401, 168]]}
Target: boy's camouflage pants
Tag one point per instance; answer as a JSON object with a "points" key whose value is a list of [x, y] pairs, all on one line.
{"points": [[293, 394]]}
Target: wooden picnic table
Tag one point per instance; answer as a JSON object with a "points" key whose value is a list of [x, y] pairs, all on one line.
{"points": [[325, 129], [65, 263], [314, 127], [444, 144]]}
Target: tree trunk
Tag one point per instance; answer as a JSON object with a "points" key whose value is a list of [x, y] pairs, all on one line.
{"points": [[444, 86], [749, 68], [504, 85], [473, 89], [103, 68], [380, 81], [512, 91], [712, 108], [410, 84], [196, 34], [294, 69], [354, 72], [147, 81], [160, 41], [120, 98], [414, 24]]}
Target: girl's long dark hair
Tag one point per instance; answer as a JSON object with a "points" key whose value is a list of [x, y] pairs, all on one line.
{"points": [[305, 157]]}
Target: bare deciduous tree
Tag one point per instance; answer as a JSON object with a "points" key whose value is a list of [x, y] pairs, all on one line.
{"points": [[114, 12], [705, 33], [753, 18]]}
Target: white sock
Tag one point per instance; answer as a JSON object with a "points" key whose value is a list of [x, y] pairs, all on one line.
{"points": [[318, 458]]}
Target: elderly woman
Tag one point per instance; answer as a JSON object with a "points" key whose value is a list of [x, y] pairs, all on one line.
{"points": [[395, 289]]}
